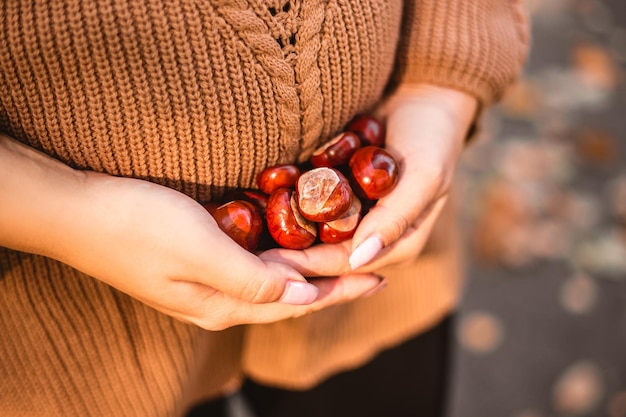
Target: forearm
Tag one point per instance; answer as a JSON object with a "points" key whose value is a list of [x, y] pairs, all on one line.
{"points": [[151, 242], [476, 46], [40, 197]]}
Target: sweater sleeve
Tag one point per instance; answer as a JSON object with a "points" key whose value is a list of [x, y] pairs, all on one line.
{"points": [[476, 46]]}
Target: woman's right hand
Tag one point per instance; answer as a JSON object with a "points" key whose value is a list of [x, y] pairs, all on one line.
{"points": [[153, 243]]}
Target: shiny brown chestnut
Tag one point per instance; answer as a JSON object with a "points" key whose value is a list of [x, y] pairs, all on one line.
{"points": [[277, 176], [369, 129], [323, 194], [241, 220], [285, 223], [259, 199], [343, 228], [337, 151], [374, 172]]}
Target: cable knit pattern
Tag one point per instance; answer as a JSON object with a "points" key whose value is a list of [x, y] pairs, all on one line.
{"points": [[200, 96], [307, 44]]}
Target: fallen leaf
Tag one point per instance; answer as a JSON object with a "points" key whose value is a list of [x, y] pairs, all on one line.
{"points": [[597, 146], [578, 389], [523, 99], [595, 66]]}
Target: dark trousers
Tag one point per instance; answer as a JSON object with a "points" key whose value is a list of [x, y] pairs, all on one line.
{"points": [[407, 380]]}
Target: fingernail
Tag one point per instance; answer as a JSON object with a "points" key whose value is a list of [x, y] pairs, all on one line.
{"points": [[299, 293], [365, 252], [381, 286]]}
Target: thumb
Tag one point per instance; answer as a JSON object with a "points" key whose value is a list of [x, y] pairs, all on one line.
{"points": [[389, 220], [248, 278]]}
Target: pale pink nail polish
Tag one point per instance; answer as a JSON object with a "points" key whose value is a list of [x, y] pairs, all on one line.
{"points": [[365, 252], [299, 293]]}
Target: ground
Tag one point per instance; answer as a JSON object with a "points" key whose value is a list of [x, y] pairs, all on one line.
{"points": [[542, 325]]}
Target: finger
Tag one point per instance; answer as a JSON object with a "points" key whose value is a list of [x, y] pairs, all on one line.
{"points": [[411, 243], [214, 310], [244, 276], [316, 261], [333, 291], [389, 220]]}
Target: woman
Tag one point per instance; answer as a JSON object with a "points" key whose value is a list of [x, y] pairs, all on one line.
{"points": [[121, 296]]}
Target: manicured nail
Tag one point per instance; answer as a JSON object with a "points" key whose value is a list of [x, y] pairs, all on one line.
{"points": [[365, 252], [299, 293], [381, 286]]}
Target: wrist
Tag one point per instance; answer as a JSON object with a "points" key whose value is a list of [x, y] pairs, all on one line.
{"points": [[43, 194], [461, 108]]}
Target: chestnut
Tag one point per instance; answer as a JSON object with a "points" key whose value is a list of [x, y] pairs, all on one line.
{"points": [[369, 129], [241, 220], [337, 151], [323, 194], [255, 197], [285, 223], [343, 228], [374, 172], [277, 176]]}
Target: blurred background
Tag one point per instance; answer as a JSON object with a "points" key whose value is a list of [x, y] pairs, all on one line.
{"points": [[541, 330], [542, 326]]}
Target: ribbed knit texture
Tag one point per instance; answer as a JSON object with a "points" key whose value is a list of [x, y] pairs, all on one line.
{"points": [[200, 96], [474, 46]]}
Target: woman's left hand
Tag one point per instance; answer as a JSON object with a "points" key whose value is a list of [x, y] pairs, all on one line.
{"points": [[426, 130]]}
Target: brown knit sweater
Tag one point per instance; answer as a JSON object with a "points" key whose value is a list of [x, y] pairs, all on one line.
{"points": [[200, 96]]}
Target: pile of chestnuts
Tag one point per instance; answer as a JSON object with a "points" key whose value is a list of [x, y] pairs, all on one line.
{"points": [[324, 199]]}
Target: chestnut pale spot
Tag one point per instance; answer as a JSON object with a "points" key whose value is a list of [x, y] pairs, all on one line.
{"points": [[302, 222], [324, 194], [322, 149], [348, 221], [284, 222], [344, 224], [316, 190], [343, 228], [337, 151]]}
